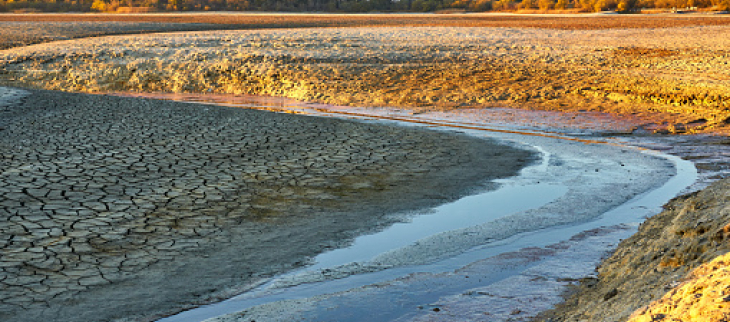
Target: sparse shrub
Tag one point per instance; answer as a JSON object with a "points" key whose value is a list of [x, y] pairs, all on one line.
{"points": [[175, 5], [528, 4], [99, 5], [351, 5], [561, 5], [424, 5], [625, 6], [503, 5], [546, 4], [585, 5], [596, 5], [480, 5], [679, 3], [723, 5]]}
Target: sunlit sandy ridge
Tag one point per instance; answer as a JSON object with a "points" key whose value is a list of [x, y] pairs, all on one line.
{"points": [[426, 69]]}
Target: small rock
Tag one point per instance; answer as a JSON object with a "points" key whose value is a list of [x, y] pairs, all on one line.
{"points": [[610, 294]]}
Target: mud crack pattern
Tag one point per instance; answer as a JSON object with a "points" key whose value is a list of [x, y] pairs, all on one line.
{"points": [[94, 190]]}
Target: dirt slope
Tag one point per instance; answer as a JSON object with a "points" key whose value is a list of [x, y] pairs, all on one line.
{"points": [[705, 297], [658, 261]]}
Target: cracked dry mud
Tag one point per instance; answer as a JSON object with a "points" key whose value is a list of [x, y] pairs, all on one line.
{"points": [[117, 208]]}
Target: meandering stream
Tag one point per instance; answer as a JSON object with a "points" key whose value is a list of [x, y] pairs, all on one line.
{"points": [[558, 217]]}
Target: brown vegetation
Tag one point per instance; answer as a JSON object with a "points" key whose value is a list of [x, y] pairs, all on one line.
{"points": [[260, 21], [358, 5]]}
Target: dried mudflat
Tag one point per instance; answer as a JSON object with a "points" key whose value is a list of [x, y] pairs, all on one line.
{"points": [[119, 208], [670, 71], [24, 33]]}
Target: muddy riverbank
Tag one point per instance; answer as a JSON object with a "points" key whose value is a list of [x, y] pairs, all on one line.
{"points": [[663, 272]]}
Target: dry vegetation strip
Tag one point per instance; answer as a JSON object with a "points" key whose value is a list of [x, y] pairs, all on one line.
{"points": [[256, 21]]}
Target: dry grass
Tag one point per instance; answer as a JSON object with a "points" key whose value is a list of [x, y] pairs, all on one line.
{"points": [[258, 21]]}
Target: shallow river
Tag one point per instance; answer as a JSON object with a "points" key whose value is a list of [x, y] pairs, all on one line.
{"points": [[499, 255]]}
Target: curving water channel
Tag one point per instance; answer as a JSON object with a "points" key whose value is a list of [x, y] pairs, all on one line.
{"points": [[484, 254]]}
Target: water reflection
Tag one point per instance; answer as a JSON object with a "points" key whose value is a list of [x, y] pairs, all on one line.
{"points": [[465, 212]]}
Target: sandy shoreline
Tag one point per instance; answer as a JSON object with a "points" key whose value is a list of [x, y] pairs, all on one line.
{"points": [[100, 230]]}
